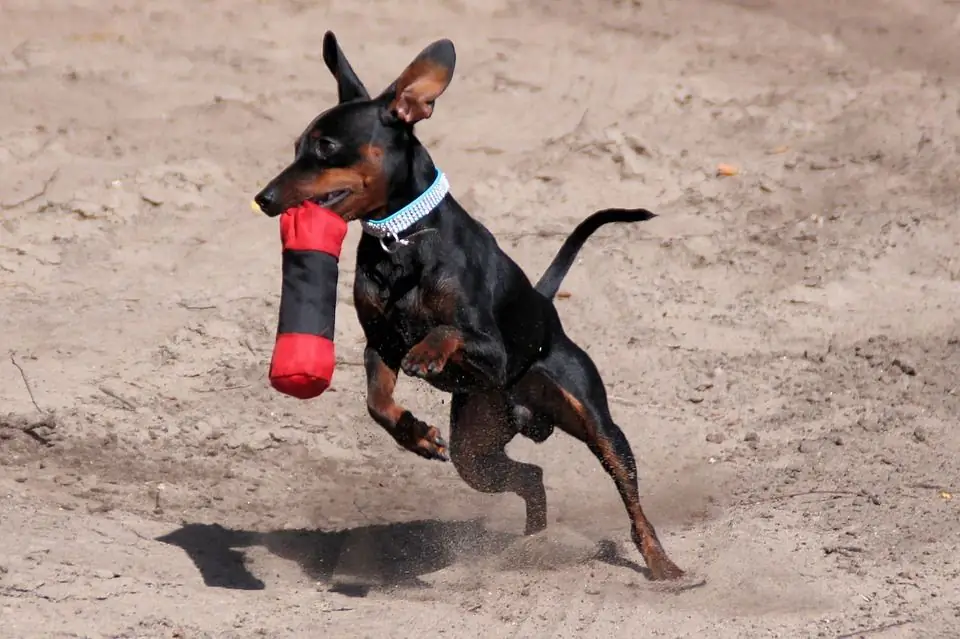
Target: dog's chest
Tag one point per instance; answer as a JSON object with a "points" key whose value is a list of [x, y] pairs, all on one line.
{"points": [[399, 311]]}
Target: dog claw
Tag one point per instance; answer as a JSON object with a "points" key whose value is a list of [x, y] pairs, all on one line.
{"points": [[413, 370], [440, 454], [441, 449], [426, 442], [419, 363]]}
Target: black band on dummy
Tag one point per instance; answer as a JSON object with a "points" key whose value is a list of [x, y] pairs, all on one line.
{"points": [[308, 298]]}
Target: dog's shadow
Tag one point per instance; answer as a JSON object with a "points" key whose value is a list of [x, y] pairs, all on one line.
{"points": [[355, 560], [352, 561]]}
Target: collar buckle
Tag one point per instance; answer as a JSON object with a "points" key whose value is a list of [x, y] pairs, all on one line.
{"points": [[393, 246]]}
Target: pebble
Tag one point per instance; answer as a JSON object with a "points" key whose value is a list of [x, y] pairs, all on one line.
{"points": [[908, 369], [105, 574], [715, 438]]}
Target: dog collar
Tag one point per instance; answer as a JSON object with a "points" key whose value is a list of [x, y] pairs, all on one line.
{"points": [[396, 223]]}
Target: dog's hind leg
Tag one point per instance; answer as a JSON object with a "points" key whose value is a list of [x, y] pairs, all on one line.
{"points": [[481, 425], [566, 388]]}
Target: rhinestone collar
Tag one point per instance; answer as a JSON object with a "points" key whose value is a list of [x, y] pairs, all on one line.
{"points": [[396, 223]]}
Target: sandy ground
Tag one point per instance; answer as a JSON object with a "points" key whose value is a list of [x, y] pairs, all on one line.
{"points": [[781, 347]]}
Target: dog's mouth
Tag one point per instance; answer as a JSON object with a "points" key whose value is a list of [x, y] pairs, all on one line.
{"points": [[329, 199]]}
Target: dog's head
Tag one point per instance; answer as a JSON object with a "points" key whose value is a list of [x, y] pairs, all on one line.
{"points": [[348, 157]]}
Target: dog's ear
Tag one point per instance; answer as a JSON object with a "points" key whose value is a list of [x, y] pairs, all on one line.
{"points": [[349, 86], [413, 93]]}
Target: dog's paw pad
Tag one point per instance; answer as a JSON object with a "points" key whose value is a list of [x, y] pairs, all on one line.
{"points": [[422, 361]]}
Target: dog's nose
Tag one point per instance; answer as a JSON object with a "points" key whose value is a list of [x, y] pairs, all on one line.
{"points": [[265, 199]]}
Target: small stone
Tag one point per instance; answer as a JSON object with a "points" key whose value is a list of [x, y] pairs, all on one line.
{"points": [[905, 367], [715, 438], [751, 437], [837, 440], [920, 434], [105, 574]]}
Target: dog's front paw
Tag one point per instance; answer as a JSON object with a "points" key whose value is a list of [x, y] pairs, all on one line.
{"points": [[431, 445], [421, 438], [424, 359]]}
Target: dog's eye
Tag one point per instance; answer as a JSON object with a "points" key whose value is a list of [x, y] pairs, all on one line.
{"points": [[325, 147]]}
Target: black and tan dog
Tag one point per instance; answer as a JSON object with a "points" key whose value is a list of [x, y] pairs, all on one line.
{"points": [[438, 299]]}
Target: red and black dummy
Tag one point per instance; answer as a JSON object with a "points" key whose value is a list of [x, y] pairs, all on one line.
{"points": [[303, 356]]}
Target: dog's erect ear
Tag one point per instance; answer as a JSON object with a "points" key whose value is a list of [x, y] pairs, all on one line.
{"points": [[349, 86], [422, 82]]}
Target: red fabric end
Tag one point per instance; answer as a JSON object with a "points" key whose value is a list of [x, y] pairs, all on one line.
{"points": [[310, 227], [302, 365]]}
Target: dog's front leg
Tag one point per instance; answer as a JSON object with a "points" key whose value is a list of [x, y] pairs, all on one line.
{"points": [[411, 433], [476, 354]]}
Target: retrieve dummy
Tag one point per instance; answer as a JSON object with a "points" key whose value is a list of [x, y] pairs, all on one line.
{"points": [[303, 355]]}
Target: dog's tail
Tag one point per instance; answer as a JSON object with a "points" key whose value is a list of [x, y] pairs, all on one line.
{"points": [[551, 279]]}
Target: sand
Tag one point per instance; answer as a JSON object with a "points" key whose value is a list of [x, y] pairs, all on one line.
{"points": [[781, 345]]}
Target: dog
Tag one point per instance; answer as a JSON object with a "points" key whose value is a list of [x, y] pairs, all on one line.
{"points": [[438, 298]]}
